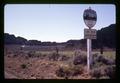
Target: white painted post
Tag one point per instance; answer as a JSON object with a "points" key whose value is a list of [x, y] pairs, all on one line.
{"points": [[89, 52], [88, 62]]}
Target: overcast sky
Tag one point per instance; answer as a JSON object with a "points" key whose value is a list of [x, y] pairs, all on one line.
{"points": [[54, 22]]}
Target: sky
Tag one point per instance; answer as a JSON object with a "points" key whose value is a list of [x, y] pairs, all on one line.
{"points": [[54, 22]]}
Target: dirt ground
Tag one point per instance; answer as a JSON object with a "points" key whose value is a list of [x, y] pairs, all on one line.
{"points": [[35, 69], [18, 65]]}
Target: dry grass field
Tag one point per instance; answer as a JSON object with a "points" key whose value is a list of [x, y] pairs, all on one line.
{"points": [[38, 64]]}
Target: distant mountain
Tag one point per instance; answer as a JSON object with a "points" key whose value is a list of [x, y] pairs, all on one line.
{"points": [[11, 39], [105, 37]]}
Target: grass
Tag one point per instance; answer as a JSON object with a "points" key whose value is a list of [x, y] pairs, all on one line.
{"points": [[44, 52], [108, 54], [111, 55], [72, 70], [68, 53]]}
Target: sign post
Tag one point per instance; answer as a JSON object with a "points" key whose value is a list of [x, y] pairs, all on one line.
{"points": [[90, 18]]}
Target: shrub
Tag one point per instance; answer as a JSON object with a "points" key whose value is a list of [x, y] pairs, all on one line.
{"points": [[23, 66], [102, 59], [14, 55], [110, 62], [110, 71], [81, 59], [104, 71], [54, 56], [96, 73], [63, 58], [42, 56], [77, 70], [31, 54], [68, 71], [98, 64], [62, 72]]}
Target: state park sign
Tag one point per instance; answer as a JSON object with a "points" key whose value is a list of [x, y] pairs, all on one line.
{"points": [[90, 17], [90, 33]]}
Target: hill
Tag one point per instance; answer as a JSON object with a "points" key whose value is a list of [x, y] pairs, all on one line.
{"points": [[105, 38]]}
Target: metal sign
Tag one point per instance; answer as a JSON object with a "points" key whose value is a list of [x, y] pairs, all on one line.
{"points": [[90, 33], [90, 17]]}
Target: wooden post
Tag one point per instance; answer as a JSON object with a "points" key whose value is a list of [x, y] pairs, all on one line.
{"points": [[57, 50], [101, 50]]}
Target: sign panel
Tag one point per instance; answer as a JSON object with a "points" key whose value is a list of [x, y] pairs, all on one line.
{"points": [[90, 17], [90, 33]]}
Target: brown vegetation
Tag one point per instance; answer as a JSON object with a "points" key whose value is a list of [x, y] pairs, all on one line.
{"points": [[27, 64]]}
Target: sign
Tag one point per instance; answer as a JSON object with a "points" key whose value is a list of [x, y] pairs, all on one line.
{"points": [[90, 17], [90, 33]]}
